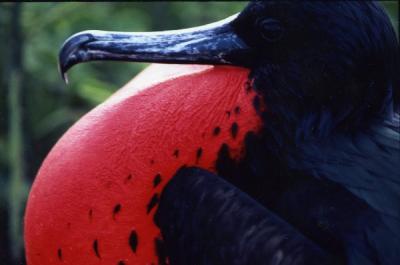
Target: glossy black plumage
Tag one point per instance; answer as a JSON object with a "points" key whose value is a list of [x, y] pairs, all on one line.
{"points": [[333, 116], [206, 220]]}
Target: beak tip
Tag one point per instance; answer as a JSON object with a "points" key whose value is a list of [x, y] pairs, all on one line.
{"points": [[69, 55], [63, 72], [65, 78]]}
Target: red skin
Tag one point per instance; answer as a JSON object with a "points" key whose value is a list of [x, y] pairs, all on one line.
{"points": [[112, 155]]}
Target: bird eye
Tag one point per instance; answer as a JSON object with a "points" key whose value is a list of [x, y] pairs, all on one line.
{"points": [[270, 29]]}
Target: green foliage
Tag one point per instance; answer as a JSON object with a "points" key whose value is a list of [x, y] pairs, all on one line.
{"points": [[392, 8], [48, 106]]}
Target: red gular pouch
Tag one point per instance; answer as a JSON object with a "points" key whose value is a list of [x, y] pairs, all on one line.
{"points": [[95, 196]]}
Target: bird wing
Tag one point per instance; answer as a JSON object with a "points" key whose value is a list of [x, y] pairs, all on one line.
{"points": [[367, 165], [206, 220]]}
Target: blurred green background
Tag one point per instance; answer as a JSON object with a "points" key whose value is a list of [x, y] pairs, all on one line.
{"points": [[36, 107]]}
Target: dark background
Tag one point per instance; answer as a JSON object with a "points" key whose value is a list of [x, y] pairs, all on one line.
{"points": [[36, 107]]}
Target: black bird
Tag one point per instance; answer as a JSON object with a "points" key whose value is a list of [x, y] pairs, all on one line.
{"points": [[328, 159]]}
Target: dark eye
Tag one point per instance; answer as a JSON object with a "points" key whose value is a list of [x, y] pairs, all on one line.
{"points": [[271, 29]]}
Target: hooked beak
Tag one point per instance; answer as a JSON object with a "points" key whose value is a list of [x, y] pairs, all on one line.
{"points": [[215, 43]]}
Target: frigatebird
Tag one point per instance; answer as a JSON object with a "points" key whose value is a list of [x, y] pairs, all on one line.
{"points": [[302, 167]]}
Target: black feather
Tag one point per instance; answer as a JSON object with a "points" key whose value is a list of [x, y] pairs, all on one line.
{"points": [[205, 220]]}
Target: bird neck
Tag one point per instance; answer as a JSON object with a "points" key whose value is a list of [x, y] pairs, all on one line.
{"points": [[362, 155], [308, 105]]}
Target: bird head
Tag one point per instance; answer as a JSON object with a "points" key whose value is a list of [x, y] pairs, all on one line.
{"points": [[321, 66]]}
